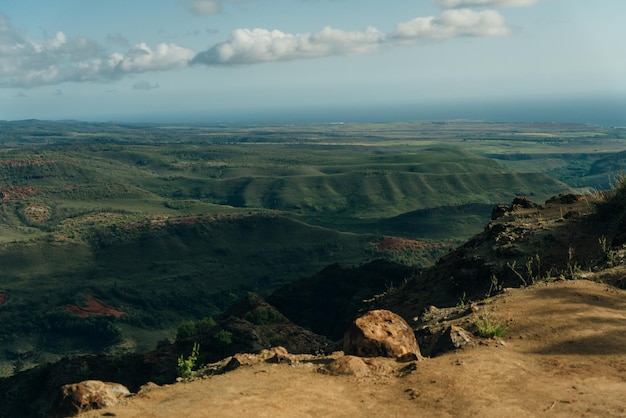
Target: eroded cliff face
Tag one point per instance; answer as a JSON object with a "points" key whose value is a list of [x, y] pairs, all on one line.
{"points": [[524, 243]]}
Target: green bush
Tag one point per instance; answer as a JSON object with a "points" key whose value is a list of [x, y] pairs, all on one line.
{"points": [[192, 328], [98, 330], [223, 337], [186, 366], [264, 316], [275, 339]]}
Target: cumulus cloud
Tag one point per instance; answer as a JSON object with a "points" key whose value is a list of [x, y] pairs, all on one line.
{"points": [[250, 46], [202, 7], [145, 85], [142, 58], [454, 4], [26, 63], [453, 23]]}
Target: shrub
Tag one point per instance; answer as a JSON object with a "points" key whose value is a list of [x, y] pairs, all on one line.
{"points": [[186, 366], [189, 329], [96, 330], [264, 315], [185, 330], [275, 339], [488, 328], [223, 337], [614, 200]]}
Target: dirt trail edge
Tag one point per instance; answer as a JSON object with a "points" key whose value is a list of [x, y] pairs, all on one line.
{"points": [[563, 355]]}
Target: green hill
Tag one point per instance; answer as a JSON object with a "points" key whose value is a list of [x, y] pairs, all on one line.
{"points": [[169, 223]]}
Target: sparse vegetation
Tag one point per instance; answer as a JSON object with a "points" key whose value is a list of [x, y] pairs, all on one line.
{"points": [[489, 328], [190, 329], [573, 267], [613, 200], [610, 255], [187, 365], [494, 287], [223, 338]]}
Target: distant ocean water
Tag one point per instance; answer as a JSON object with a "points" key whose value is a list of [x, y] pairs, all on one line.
{"points": [[608, 111]]}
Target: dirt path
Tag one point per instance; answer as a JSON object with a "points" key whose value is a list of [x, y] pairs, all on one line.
{"points": [[564, 355]]}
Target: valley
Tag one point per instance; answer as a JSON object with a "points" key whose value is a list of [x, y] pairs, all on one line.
{"points": [[168, 223]]}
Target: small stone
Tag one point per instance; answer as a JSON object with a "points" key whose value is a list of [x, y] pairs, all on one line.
{"points": [[347, 365]]}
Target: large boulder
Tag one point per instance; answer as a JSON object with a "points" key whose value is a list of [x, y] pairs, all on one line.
{"points": [[381, 333], [76, 398]]}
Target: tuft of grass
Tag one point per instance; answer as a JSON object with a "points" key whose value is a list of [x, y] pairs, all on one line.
{"points": [[613, 200], [488, 328]]}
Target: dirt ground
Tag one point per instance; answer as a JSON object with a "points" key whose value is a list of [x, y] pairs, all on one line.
{"points": [[94, 308], [563, 355]]}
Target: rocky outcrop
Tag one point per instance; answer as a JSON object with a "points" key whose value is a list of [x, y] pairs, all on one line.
{"points": [[76, 398], [520, 202], [381, 333], [452, 338]]}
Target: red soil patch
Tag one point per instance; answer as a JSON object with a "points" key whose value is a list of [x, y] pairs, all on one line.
{"points": [[3, 299], [94, 308], [16, 192]]}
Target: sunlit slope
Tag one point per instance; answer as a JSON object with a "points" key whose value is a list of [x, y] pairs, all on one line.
{"points": [[362, 182], [336, 186], [374, 194]]}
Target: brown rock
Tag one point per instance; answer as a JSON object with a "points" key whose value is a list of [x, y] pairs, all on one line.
{"points": [[88, 395], [277, 355], [499, 211], [144, 390], [522, 202], [380, 333], [347, 366], [452, 338]]}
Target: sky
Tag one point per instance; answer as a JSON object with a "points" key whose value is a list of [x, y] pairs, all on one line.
{"points": [[223, 60]]}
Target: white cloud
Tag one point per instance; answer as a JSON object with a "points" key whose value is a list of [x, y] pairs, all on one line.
{"points": [[453, 4], [250, 46], [142, 58], [453, 23], [26, 63], [202, 7]]}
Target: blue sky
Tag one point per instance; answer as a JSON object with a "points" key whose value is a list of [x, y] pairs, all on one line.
{"points": [[216, 59]]}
